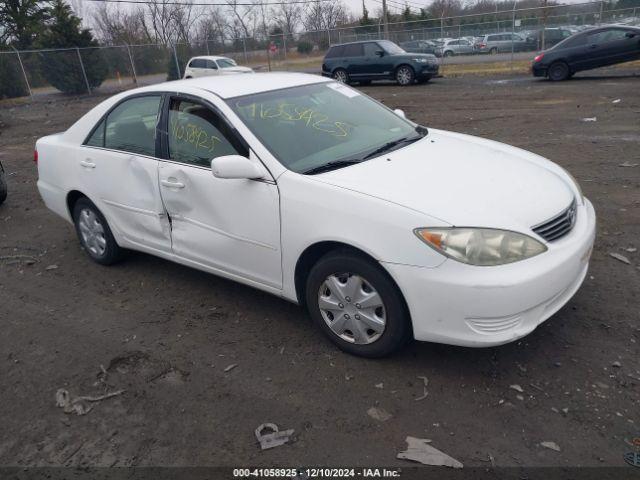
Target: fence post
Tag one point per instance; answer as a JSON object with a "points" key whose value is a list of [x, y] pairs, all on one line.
{"points": [[601, 10], [329, 35], [133, 66], [175, 56], [206, 42], [26, 80], [244, 49], [84, 73], [284, 44], [513, 31]]}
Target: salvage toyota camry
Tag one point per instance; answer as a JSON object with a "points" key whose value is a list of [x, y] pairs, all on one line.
{"points": [[306, 188]]}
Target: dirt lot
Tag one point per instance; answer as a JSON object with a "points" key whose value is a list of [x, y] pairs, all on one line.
{"points": [[166, 334]]}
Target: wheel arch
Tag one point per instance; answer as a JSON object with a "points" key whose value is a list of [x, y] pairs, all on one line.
{"points": [[315, 251], [72, 197], [404, 64]]}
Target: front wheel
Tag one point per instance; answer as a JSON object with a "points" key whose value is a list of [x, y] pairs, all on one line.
{"points": [[448, 53], [341, 75], [405, 75], [558, 71], [94, 233], [357, 305]]}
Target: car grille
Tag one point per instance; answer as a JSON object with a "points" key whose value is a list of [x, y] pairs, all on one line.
{"points": [[558, 226]]}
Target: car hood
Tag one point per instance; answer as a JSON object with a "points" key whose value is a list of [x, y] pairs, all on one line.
{"points": [[463, 181], [237, 69], [410, 55]]}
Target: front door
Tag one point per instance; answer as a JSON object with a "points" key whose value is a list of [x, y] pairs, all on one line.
{"points": [[119, 172], [229, 225]]}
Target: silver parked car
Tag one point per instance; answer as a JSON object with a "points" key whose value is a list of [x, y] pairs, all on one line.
{"points": [[448, 48], [500, 43]]}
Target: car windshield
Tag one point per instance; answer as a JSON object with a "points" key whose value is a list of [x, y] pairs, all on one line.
{"points": [[390, 47], [309, 127], [226, 63]]}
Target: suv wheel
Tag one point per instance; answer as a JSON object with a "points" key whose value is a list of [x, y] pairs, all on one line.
{"points": [[405, 75], [94, 233], [493, 51], [341, 75], [558, 71], [357, 305], [448, 53]]}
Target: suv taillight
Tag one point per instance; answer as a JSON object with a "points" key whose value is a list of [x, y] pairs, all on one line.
{"points": [[35, 156]]}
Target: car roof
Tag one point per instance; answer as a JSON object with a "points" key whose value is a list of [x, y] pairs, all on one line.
{"points": [[207, 57], [359, 41], [230, 86]]}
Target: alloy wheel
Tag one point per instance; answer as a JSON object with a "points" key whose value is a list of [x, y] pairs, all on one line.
{"points": [[404, 76], [352, 308], [340, 76]]}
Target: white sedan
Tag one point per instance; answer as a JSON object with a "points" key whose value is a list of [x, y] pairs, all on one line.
{"points": [[210, 65], [308, 189]]}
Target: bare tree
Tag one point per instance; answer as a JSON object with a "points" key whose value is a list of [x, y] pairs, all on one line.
{"points": [[116, 26], [325, 15], [288, 16]]}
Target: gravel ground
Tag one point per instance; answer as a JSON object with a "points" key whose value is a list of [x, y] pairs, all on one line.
{"points": [[168, 335]]}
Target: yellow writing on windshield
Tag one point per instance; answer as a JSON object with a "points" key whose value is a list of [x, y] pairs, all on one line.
{"points": [[291, 112]]}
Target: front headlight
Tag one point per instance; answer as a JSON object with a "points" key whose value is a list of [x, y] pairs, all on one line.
{"points": [[481, 246], [420, 60]]}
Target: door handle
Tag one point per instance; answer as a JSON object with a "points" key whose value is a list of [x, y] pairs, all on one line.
{"points": [[87, 163], [171, 184]]}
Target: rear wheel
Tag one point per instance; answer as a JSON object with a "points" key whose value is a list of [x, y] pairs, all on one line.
{"points": [[493, 51], [357, 305], [405, 75], [341, 75], [558, 71], [94, 233], [448, 53]]}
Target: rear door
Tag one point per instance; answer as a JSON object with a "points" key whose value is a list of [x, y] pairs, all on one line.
{"points": [[607, 46], [354, 61], [119, 171], [211, 67]]}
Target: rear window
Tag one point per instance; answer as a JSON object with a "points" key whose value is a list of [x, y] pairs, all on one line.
{"points": [[335, 51], [197, 63]]}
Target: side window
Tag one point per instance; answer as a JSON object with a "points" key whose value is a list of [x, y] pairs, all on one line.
{"points": [[197, 135], [353, 50], [607, 36], [197, 63], [576, 41], [493, 38], [335, 51], [97, 138], [370, 49], [211, 65], [131, 126]]}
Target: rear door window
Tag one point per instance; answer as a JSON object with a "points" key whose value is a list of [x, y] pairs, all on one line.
{"points": [[131, 126], [354, 50], [370, 49]]}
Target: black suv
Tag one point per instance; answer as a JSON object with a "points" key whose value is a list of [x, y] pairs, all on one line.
{"points": [[377, 60]]}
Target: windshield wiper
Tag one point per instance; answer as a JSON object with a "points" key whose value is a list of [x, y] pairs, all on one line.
{"points": [[330, 166], [391, 145]]}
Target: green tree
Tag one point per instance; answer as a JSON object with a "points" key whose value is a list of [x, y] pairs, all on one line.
{"points": [[62, 69], [21, 21]]}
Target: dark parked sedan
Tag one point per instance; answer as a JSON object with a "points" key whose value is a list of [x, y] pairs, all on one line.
{"points": [[594, 48], [377, 60]]}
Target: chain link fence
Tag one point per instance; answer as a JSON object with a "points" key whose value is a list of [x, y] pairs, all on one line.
{"points": [[112, 68]]}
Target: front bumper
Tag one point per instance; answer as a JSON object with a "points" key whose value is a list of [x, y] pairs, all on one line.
{"points": [[472, 306], [428, 71]]}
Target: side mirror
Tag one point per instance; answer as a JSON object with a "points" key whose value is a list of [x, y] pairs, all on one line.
{"points": [[235, 166], [630, 34], [400, 113], [380, 53]]}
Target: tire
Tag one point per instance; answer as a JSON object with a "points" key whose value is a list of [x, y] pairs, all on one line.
{"points": [[448, 53], [361, 278], [405, 75], [94, 233], [340, 75], [3, 186], [558, 71], [493, 51]]}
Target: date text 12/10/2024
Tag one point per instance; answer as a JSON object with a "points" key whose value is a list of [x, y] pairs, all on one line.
{"points": [[309, 473]]}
